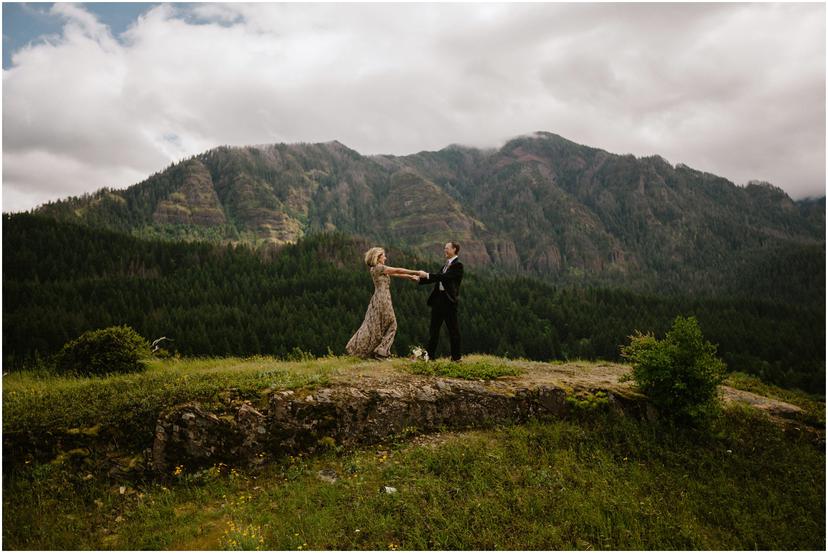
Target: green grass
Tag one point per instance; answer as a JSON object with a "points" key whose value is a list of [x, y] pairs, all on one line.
{"points": [[131, 403], [597, 482], [487, 368], [602, 483], [813, 406]]}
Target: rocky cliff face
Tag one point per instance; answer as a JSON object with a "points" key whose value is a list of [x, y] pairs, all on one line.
{"points": [[349, 416], [419, 213], [194, 203], [540, 204]]}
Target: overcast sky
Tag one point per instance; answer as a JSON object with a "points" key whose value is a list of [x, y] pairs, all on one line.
{"points": [[101, 95]]}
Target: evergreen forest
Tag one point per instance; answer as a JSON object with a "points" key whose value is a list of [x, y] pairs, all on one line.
{"points": [[61, 279]]}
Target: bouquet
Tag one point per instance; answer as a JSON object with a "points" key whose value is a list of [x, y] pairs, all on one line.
{"points": [[419, 354]]}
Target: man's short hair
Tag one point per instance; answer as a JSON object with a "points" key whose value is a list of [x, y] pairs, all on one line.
{"points": [[456, 247]]}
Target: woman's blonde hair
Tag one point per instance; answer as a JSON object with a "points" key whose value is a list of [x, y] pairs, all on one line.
{"points": [[372, 255]]}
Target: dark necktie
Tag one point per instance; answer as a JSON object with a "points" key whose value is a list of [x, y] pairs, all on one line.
{"points": [[445, 268]]}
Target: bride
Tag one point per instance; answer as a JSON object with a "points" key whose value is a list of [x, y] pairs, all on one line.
{"points": [[375, 336]]}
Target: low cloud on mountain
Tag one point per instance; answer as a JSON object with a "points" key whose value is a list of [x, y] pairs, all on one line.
{"points": [[737, 90]]}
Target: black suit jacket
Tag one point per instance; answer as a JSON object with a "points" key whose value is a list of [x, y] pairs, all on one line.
{"points": [[451, 282]]}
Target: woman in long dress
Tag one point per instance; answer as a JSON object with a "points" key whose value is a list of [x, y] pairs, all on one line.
{"points": [[375, 336]]}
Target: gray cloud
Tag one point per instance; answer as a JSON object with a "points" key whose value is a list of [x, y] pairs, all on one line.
{"points": [[733, 89]]}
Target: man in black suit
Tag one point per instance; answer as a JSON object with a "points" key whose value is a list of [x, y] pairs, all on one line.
{"points": [[443, 301]]}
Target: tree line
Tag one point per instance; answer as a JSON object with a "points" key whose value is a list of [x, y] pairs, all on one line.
{"points": [[61, 279]]}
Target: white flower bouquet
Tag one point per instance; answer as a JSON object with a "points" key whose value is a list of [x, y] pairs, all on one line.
{"points": [[419, 354]]}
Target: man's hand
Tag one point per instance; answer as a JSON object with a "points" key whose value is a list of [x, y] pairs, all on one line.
{"points": [[423, 274]]}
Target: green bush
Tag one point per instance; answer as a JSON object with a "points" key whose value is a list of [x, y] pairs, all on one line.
{"points": [[588, 402], [298, 354], [116, 349], [680, 374]]}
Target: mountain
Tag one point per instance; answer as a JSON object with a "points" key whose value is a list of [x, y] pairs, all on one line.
{"points": [[541, 205]]}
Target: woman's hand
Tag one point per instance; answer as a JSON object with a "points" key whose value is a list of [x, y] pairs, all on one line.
{"points": [[422, 274], [414, 278]]}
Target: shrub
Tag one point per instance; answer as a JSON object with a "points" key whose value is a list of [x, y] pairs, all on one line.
{"points": [[298, 354], [680, 374], [588, 402], [116, 349]]}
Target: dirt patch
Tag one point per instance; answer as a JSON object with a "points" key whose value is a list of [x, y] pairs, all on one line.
{"points": [[770, 406], [575, 376]]}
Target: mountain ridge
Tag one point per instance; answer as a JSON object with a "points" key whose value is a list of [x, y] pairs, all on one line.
{"points": [[540, 204]]}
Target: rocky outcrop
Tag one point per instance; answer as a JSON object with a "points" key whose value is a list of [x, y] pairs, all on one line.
{"points": [[547, 259], [263, 210], [287, 422], [188, 433], [351, 411], [420, 213], [504, 253], [346, 415], [195, 202]]}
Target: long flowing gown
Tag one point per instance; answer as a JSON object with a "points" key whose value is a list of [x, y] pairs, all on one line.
{"points": [[377, 332]]}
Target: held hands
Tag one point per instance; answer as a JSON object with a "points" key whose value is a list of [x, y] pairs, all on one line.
{"points": [[415, 276]]}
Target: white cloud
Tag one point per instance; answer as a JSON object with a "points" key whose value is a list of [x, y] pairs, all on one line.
{"points": [[81, 23], [38, 176], [737, 90]]}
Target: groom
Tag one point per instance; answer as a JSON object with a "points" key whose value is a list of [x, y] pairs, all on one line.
{"points": [[443, 301]]}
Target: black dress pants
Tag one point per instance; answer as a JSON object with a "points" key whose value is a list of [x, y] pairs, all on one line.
{"points": [[444, 310]]}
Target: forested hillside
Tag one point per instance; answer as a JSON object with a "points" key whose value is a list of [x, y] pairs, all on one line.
{"points": [[61, 279], [540, 205]]}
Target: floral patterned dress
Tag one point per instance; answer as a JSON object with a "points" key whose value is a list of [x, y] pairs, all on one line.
{"points": [[377, 332]]}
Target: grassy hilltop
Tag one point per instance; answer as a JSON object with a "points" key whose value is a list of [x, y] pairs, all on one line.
{"points": [[594, 481], [569, 250]]}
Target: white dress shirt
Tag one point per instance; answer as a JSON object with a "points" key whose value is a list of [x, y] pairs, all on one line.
{"points": [[445, 268]]}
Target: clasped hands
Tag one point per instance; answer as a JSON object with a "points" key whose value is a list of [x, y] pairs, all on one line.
{"points": [[418, 276]]}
